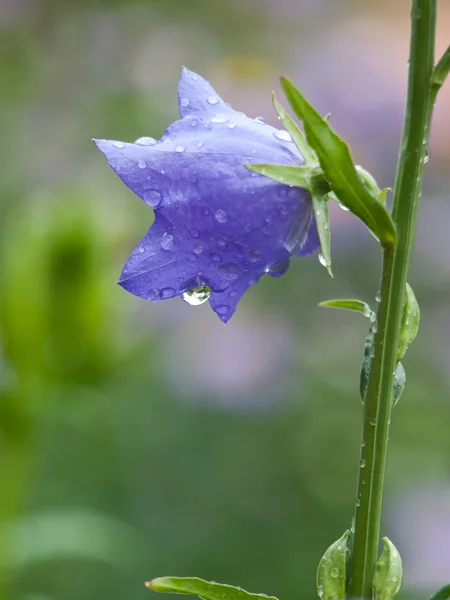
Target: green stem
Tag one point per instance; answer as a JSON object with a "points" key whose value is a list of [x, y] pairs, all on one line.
{"points": [[13, 475], [378, 402]]}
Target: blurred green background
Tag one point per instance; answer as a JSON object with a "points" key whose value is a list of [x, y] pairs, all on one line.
{"points": [[138, 439]]}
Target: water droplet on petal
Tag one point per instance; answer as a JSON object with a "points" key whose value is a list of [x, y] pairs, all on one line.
{"points": [[284, 210], [232, 125], [277, 269], [230, 271], [166, 241], [222, 242], [180, 149], [153, 295], [213, 100], [152, 197], [254, 255], [193, 122], [168, 292], [142, 163], [198, 250], [200, 145], [232, 294], [194, 232], [216, 257], [220, 216], [222, 309], [260, 120], [145, 141], [219, 119], [141, 249], [322, 260], [283, 135], [119, 145], [184, 102]]}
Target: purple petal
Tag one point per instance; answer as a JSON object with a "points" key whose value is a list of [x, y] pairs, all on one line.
{"points": [[196, 96]]}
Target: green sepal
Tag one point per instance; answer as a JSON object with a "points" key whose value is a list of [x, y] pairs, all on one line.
{"points": [[353, 305], [410, 322], [297, 176], [442, 594], [320, 207], [388, 576], [339, 169], [296, 134], [208, 590], [332, 570]]}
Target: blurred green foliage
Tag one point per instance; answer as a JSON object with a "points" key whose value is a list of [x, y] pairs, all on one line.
{"points": [[139, 440]]}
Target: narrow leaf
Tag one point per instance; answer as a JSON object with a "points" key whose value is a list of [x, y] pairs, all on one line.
{"points": [[208, 590], [354, 305], [296, 176], [441, 70], [339, 169], [320, 206], [442, 594], [297, 136]]}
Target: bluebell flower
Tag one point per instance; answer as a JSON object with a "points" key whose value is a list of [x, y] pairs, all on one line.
{"points": [[218, 227]]}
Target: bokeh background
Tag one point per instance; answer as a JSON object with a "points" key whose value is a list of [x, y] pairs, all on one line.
{"points": [[141, 439]]}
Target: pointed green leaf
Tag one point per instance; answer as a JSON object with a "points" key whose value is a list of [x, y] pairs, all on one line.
{"points": [[339, 169], [320, 206], [388, 576], [441, 70], [410, 322], [296, 135], [354, 305], [208, 590], [442, 594], [296, 176]]}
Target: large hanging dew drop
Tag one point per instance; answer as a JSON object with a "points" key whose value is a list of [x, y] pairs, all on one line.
{"points": [[197, 295], [278, 269]]}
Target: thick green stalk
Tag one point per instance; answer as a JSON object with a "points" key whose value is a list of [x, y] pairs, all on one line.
{"points": [[378, 402]]}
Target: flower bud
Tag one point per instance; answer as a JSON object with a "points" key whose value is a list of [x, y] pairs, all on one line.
{"points": [[332, 570], [388, 577]]}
